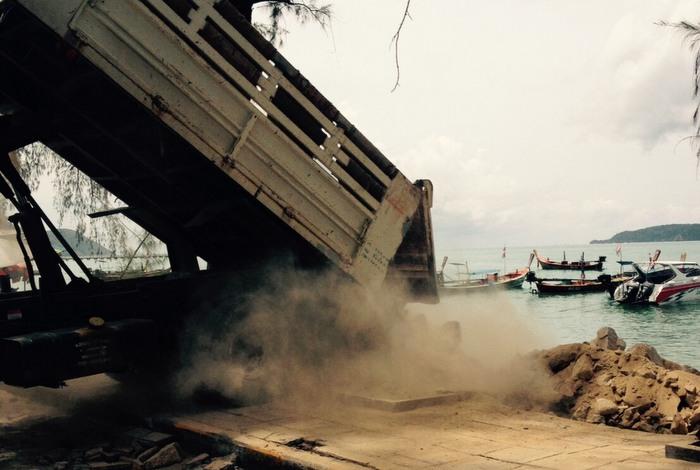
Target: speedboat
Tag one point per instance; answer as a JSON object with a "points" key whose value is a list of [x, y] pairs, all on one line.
{"points": [[661, 282]]}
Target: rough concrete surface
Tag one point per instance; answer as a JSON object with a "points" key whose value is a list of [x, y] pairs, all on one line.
{"points": [[476, 433]]}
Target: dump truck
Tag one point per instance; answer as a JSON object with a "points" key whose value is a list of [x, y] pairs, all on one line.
{"points": [[217, 146]]}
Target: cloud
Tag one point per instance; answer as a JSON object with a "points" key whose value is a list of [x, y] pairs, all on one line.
{"points": [[480, 199], [642, 86], [471, 184], [538, 122]]}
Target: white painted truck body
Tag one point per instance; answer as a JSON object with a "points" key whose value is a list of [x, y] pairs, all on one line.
{"points": [[231, 100]]}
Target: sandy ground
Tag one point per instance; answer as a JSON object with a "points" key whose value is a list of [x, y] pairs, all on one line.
{"points": [[40, 427]]}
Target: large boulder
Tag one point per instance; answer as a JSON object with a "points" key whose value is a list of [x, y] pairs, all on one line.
{"points": [[694, 420], [645, 350], [653, 355], [583, 368], [607, 338], [604, 407], [559, 357], [168, 455], [686, 380], [667, 403], [637, 391], [678, 425]]}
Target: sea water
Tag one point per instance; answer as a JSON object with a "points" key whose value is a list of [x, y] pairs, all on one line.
{"points": [[674, 330]]}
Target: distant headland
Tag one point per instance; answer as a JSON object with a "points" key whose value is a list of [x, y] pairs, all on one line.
{"points": [[657, 233]]}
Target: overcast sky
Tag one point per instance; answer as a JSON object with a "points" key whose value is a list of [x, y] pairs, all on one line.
{"points": [[539, 121]]}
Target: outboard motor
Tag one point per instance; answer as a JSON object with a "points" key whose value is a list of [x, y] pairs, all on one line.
{"points": [[645, 291], [606, 280], [625, 293], [633, 292]]}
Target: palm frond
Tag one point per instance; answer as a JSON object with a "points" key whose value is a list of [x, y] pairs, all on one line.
{"points": [[691, 36]]}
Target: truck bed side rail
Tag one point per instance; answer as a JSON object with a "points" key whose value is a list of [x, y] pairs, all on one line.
{"points": [[202, 69]]}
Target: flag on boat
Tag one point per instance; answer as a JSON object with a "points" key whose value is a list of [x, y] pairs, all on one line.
{"points": [[684, 256], [503, 254], [618, 249]]}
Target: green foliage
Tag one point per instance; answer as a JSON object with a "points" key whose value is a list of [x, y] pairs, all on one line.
{"points": [[303, 11], [657, 233], [82, 245], [75, 195]]}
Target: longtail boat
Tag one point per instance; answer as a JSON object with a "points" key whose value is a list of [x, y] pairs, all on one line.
{"points": [[602, 283], [478, 281], [581, 265]]}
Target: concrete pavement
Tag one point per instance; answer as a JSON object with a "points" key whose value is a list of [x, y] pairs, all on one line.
{"points": [[475, 433]]}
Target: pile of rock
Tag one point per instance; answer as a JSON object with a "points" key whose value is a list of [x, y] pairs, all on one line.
{"points": [[141, 449], [601, 382]]}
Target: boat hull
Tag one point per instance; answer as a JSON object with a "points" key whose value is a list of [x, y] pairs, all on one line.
{"points": [[509, 281], [672, 294], [544, 287], [604, 282], [634, 293], [580, 265], [573, 266]]}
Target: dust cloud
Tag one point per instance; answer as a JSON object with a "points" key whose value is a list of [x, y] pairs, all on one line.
{"points": [[312, 337]]}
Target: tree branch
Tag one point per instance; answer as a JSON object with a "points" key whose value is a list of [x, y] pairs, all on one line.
{"points": [[320, 14], [395, 42]]}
